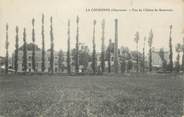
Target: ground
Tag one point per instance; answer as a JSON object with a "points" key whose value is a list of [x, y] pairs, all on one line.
{"points": [[128, 95]]}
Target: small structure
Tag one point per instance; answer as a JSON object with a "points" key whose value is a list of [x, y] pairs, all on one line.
{"points": [[156, 59]]}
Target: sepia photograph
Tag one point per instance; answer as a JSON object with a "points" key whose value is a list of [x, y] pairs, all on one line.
{"points": [[91, 58]]}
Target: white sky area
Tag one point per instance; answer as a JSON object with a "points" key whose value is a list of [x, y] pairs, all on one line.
{"points": [[21, 12]]}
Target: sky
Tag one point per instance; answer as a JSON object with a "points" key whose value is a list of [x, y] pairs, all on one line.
{"points": [[20, 13]]}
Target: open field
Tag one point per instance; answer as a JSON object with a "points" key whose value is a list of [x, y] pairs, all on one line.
{"points": [[154, 95]]}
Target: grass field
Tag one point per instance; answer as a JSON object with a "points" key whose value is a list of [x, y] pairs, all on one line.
{"points": [[135, 95]]}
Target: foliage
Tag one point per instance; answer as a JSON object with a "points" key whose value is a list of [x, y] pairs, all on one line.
{"points": [[177, 64], [77, 48], [61, 60], [129, 66], [134, 55], [137, 44], [162, 57], [178, 50], [125, 56], [103, 48], [16, 49], [43, 45], [84, 57], [94, 64], [68, 50], [150, 41], [108, 54], [183, 55], [29, 47], [125, 53], [123, 66], [171, 51], [24, 52], [33, 49], [116, 56], [52, 47], [6, 47], [143, 61], [136, 39]]}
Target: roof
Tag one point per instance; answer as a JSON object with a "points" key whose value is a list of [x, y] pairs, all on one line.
{"points": [[156, 50], [30, 46]]}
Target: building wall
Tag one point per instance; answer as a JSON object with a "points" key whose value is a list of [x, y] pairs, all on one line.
{"points": [[156, 60], [38, 61]]}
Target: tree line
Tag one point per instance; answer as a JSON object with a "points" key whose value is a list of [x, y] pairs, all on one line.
{"points": [[79, 55]]}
